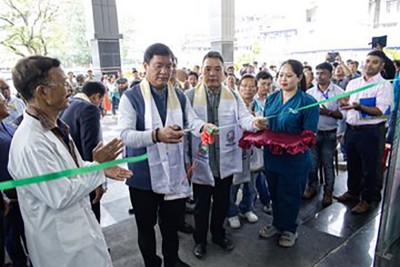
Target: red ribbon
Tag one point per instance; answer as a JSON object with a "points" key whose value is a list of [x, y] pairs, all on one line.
{"points": [[207, 138]]}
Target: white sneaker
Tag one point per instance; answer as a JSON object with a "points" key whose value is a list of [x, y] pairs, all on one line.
{"points": [[251, 217], [234, 222]]}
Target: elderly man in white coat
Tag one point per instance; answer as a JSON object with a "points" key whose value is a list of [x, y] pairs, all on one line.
{"points": [[61, 229]]}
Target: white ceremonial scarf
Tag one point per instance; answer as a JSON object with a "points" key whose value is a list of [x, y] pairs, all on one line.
{"points": [[229, 151], [166, 161]]}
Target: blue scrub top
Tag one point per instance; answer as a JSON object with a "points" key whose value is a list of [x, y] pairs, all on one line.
{"points": [[286, 122]]}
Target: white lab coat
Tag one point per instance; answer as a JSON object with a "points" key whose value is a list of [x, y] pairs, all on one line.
{"points": [[61, 229]]}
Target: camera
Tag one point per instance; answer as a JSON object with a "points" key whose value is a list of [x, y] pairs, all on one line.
{"points": [[332, 56]]}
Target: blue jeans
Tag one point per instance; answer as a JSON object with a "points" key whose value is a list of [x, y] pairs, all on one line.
{"points": [[115, 104], [323, 153], [262, 187], [246, 204]]}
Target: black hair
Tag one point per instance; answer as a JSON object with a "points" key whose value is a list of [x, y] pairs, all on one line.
{"points": [[297, 68], [194, 74], [158, 49], [133, 83], [214, 54], [263, 75], [93, 87], [396, 63], [246, 76], [378, 53], [29, 72], [324, 66], [308, 67]]}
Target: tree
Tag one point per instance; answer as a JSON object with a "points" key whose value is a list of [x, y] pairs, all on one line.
{"points": [[72, 46], [25, 25], [126, 24]]}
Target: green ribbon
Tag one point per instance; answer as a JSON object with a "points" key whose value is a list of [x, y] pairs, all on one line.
{"points": [[343, 95], [71, 172]]}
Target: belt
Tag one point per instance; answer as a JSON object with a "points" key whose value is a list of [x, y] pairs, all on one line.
{"points": [[328, 131], [366, 126]]}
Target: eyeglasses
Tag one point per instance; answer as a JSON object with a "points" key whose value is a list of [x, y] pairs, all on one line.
{"points": [[4, 87], [64, 84], [251, 86]]}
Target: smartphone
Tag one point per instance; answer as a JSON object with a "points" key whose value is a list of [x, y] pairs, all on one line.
{"points": [[381, 40], [332, 56]]}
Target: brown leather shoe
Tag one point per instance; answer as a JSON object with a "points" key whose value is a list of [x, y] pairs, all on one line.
{"points": [[346, 197], [327, 199], [309, 193], [361, 207]]}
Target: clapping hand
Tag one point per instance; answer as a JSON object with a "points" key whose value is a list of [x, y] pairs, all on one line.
{"points": [[110, 151], [354, 105], [118, 173], [323, 110]]}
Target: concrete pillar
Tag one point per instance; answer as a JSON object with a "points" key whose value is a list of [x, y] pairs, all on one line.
{"points": [[103, 33], [222, 31]]}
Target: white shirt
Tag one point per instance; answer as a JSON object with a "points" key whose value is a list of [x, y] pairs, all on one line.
{"points": [[382, 93], [326, 123]]}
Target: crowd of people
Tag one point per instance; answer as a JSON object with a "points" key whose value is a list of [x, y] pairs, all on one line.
{"points": [[164, 113]]}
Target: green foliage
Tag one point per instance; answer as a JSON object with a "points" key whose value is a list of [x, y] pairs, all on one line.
{"points": [[126, 23], [72, 47], [25, 26], [45, 27]]}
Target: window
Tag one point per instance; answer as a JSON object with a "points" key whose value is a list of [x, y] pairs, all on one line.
{"points": [[311, 14]]}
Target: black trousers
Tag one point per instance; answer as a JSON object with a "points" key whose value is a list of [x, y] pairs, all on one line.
{"points": [[15, 241], [220, 194], [95, 206], [365, 149], [2, 254], [150, 207]]}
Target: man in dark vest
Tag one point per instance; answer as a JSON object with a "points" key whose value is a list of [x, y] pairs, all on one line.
{"points": [[154, 117]]}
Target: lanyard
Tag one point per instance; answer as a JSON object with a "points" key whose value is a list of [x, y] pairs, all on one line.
{"points": [[324, 94]]}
